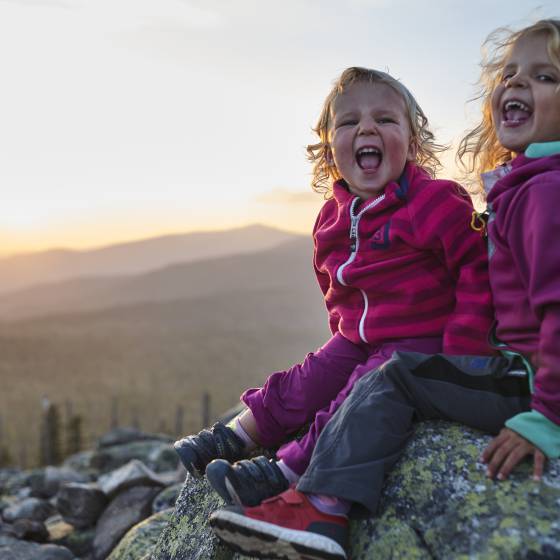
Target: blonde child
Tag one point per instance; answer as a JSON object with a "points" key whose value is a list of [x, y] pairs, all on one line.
{"points": [[517, 395], [398, 264]]}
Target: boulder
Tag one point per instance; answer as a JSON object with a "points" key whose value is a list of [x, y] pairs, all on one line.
{"points": [[166, 498], [118, 436], [29, 508], [140, 541], [13, 549], [437, 503], [134, 473], [80, 504], [157, 455], [30, 530], [46, 483], [126, 510]]}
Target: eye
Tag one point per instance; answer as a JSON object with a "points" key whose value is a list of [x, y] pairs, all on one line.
{"points": [[346, 122], [507, 76], [546, 78], [386, 120]]}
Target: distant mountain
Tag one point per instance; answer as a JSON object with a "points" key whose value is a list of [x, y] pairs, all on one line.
{"points": [[287, 266], [25, 270]]}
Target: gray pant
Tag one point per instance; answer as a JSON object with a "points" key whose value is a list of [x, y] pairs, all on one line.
{"points": [[367, 435]]}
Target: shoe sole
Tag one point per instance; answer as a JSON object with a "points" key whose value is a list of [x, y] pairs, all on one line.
{"points": [[265, 540]]}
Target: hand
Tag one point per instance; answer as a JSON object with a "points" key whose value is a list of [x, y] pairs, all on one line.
{"points": [[506, 450]]}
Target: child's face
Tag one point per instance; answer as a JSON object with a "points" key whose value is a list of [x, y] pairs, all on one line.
{"points": [[526, 103], [370, 138]]}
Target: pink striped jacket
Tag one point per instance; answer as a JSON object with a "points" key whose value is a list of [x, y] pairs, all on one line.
{"points": [[403, 265]]}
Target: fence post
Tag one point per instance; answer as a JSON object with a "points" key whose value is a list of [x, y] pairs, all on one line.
{"points": [[49, 445], [114, 413]]}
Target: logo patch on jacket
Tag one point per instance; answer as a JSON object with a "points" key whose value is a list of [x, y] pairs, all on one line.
{"points": [[380, 239]]}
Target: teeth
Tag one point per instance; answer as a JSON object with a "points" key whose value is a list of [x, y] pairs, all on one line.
{"points": [[363, 151], [513, 105]]}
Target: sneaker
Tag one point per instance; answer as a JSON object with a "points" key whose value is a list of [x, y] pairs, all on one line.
{"points": [[286, 527], [218, 442], [247, 482]]}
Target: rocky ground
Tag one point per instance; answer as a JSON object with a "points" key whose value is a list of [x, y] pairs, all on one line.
{"points": [[125, 500], [83, 508]]}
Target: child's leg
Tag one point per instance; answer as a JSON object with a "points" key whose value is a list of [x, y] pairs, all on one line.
{"points": [[296, 454], [289, 399], [368, 433]]}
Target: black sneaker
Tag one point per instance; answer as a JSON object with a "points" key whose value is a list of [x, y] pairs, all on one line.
{"points": [[218, 442], [247, 482]]}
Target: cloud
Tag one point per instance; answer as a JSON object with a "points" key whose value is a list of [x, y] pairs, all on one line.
{"points": [[288, 197]]}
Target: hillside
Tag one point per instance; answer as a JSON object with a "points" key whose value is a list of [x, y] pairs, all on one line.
{"points": [[21, 271], [286, 265], [155, 342]]}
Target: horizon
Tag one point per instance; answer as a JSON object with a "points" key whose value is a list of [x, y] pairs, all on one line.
{"points": [[125, 120]]}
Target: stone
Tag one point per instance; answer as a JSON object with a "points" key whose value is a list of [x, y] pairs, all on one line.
{"points": [[58, 528], [118, 436], [80, 504], [29, 508], [48, 482], [30, 530], [126, 510], [134, 473], [13, 549], [157, 455], [166, 498], [140, 541], [80, 542], [437, 504], [187, 534]]}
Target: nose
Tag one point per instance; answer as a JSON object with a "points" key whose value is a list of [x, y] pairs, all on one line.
{"points": [[368, 126], [517, 80]]}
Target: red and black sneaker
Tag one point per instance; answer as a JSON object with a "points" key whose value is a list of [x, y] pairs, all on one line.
{"points": [[285, 527]]}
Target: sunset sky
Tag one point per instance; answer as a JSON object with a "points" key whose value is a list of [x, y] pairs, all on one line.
{"points": [[124, 119]]}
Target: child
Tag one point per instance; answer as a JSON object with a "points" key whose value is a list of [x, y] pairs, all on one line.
{"points": [[521, 129], [400, 269]]}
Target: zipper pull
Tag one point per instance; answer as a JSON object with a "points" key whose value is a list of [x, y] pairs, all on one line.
{"points": [[353, 232]]}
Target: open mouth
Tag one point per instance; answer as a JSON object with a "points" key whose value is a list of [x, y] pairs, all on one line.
{"points": [[369, 159], [516, 112]]}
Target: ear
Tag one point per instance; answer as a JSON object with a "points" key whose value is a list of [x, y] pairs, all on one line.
{"points": [[412, 151]]}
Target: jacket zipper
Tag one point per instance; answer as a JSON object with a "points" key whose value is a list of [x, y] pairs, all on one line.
{"points": [[354, 246]]}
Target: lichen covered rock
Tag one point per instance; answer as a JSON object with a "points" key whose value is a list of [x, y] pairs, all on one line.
{"points": [[437, 503], [141, 539]]}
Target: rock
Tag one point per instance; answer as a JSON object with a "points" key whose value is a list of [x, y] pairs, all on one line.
{"points": [[126, 510], [139, 542], [134, 473], [80, 542], [30, 530], [166, 498], [119, 436], [12, 549], [80, 504], [20, 481], [58, 528], [29, 508], [47, 483], [437, 504], [187, 534], [81, 462], [157, 455]]}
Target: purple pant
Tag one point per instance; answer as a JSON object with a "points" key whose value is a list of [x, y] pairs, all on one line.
{"points": [[312, 391]]}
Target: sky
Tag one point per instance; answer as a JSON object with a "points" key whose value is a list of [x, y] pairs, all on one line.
{"points": [[127, 119]]}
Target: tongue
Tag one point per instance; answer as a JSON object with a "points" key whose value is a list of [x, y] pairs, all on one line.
{"points": [[517, 115], [369, 161]]}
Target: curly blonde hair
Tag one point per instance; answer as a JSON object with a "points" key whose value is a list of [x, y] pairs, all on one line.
{"points": [[479, 150], [324, 173]]}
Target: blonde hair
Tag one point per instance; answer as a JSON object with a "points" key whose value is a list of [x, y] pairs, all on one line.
{"points": [[324, 173], [480, 150]]}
